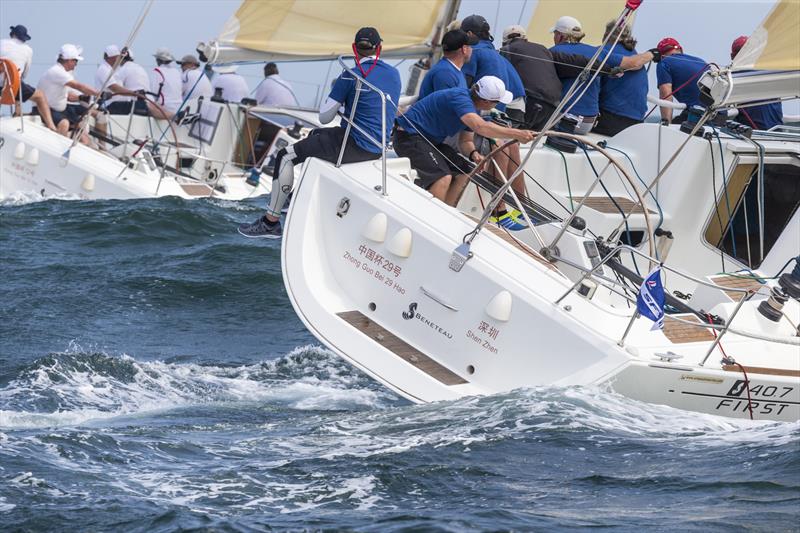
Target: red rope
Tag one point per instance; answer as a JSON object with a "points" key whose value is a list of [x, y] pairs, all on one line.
{"points": [[358, 62], [746, 380]]}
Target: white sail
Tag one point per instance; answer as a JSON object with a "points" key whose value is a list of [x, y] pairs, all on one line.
{"points": [[775, 44], [592, 14], [297, 30]]}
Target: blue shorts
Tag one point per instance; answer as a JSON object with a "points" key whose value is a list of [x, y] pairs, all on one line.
{"points": [[72, 113]]}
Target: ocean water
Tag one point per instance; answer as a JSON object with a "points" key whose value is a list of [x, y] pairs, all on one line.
{"points": [[154, 377]]}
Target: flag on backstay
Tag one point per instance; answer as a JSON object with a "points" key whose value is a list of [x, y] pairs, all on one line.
{"points": [[650, 301]]}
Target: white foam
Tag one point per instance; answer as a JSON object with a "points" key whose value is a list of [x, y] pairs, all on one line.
{"points": [[316, 380], [18, 198]]}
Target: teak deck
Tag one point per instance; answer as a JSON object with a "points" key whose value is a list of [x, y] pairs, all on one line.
{"points": [[604, 204], [736, 282], [400, 348], [680, 333]]}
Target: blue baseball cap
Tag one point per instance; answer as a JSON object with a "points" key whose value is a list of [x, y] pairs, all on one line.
{"points": [[20, 32]]}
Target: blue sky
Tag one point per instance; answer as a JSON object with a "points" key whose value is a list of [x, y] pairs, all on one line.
{"points": [[705, 28]]}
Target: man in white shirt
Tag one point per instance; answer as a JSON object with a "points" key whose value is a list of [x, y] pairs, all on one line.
{"points": [[134, 79], [55, 84], [166, 83], [195, 83], [234, 87], [274, 90], [15, 49]]}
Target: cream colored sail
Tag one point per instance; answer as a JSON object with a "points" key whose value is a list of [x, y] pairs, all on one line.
{"points": [[775, 44], [323, 29], [592, 14]]}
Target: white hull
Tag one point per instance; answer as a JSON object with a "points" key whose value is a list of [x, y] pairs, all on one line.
{"points": [[31, 161], [428, 332]]}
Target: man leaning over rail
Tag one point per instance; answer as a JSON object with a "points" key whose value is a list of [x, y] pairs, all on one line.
{"points": [[325, 143], [421, 132]]}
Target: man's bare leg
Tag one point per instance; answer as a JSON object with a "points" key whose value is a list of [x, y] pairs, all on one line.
{"points": [[43, 107], [440, 187], [456, 189], [63, 127]]}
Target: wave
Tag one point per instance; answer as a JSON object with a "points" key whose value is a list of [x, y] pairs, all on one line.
{"points": [[77, 387]]}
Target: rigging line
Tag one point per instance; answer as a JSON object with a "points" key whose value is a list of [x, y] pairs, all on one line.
{"points": [[731, 228], [674, 157], [716, 204], [761, 192], [554, 117], [522, 12], [79, 132], [653, 196], [616, 205]]}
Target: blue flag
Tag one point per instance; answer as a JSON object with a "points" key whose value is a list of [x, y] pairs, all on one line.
{"points": [[650, 301]]}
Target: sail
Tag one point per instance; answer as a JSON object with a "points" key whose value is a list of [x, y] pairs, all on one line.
{"points": [[592, 14], [322, 29], [775, 44]]}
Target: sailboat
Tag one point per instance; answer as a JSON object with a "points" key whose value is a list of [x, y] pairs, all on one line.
{"points": [[437, 304]]}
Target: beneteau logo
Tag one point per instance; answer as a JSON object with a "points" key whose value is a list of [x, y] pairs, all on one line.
{"points": [[412, 313], [408, 315]]}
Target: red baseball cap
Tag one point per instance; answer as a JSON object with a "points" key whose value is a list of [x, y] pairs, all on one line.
{"points": [[668, 43], [737, 45]]}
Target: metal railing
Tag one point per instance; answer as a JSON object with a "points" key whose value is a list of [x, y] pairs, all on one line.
{"points": [[351, 122], [722, 329]]}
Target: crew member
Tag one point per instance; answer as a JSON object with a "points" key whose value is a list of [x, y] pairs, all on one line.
{"points": [[195, 82], [486, 61], [231, 84], [421, 132], [623, 100], [16, 49], [274, 90], [541, 71], [677, 76], [446, 73], [133, 78], [165, 84], [55, 84], [325, 143], [567, 35], [762, 116]]}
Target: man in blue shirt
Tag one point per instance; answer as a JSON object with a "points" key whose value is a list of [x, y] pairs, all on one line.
{"points": [[567, 35], [762, 116], [446, 74], [623, 101], [325, 143], [677, 76], [421, 132]]}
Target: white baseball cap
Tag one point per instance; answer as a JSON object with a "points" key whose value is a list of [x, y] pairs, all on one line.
{"points": [[567, 26], [516, 30], [71, 51], [224, 69], [492, 88], [112, 50], [164, 54]]}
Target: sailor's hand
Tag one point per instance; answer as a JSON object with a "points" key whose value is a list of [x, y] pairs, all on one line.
{"points": [[523, 136], [476, 157], [140, 95], [656, 55], [616, 72]]}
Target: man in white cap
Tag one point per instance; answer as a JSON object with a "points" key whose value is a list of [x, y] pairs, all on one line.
{"points": [[55, 84], [567, 34], [16, 49], [274, 90], [133, 78], [103, 72], [231, 84], [166, 84], [194, 82], [421, 132]]}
